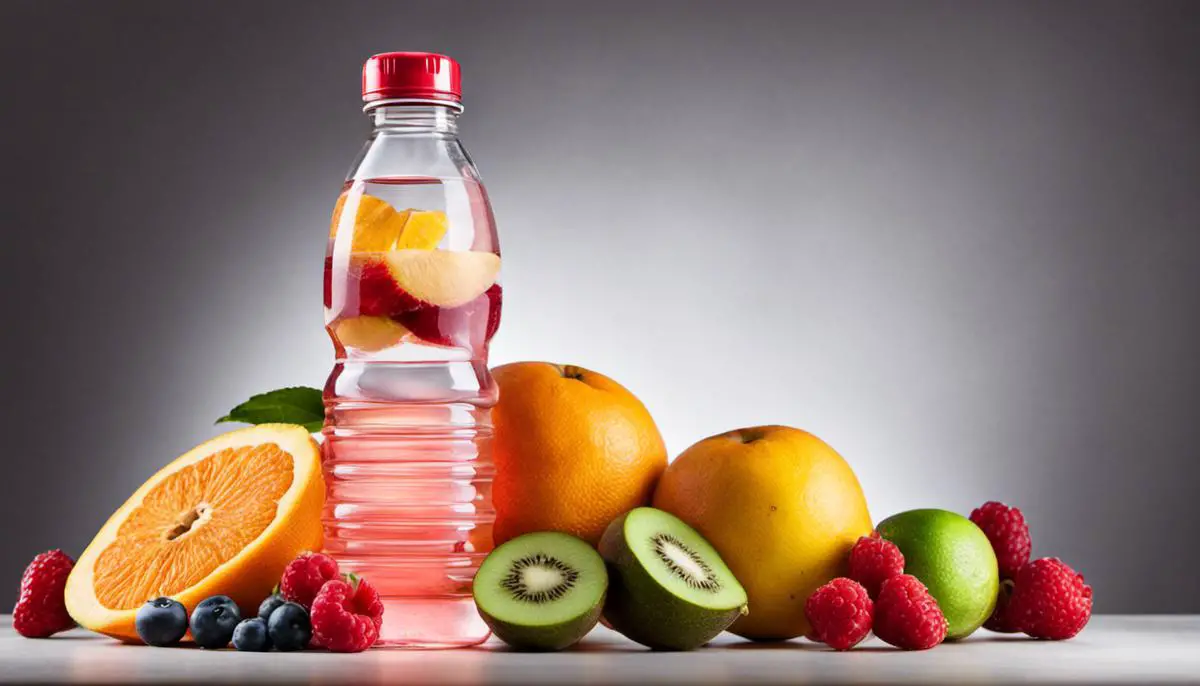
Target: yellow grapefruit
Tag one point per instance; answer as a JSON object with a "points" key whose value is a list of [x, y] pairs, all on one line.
{"points": [[781, 507], [224, 518]]}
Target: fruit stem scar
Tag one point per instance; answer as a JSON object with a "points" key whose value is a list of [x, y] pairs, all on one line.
{"points": [[570, 371], [189, 519], [746, 435]]}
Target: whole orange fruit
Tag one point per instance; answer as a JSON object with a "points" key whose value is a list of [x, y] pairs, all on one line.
{"points": [[780, 506], [573, 449]]}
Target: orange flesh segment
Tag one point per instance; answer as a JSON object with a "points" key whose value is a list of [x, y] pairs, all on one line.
{"points": [[377, 225], [192, 522], [423, 231]]}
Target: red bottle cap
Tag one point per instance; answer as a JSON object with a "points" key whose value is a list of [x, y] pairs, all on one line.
{"points": [[411, 76]]}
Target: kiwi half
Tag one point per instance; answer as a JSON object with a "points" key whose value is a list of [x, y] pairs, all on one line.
{"points": [[541, 591], [668, 588]]}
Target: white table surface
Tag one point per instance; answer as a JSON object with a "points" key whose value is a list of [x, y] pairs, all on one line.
{"points": [[1112, 649]]}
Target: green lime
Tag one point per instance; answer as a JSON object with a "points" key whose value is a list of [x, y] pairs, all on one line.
{"points": [[953, 558]]}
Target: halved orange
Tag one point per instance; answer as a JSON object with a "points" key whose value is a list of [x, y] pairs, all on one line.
{"points": [[224, 518]]}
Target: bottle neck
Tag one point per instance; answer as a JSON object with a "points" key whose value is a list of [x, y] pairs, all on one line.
{"points": [[415, 119]]}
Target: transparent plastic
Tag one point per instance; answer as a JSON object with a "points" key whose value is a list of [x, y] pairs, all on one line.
{"points": [[412, 298]]}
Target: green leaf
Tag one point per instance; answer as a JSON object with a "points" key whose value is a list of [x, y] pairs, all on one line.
{"points": [[298, 405]]}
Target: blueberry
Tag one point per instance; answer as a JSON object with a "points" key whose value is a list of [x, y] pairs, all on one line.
{"points": [[161, 622], [251, 634], [289, 627], [268, 606], [214, 620]]}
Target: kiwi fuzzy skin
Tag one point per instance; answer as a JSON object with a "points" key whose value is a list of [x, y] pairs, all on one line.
{"points": [[645, 612], [545, 638]]}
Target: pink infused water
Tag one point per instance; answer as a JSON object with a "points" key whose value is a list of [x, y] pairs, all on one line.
{"points": [[412, 299]]}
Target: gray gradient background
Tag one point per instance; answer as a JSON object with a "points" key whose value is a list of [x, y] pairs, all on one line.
{"points": [[959, 241]]}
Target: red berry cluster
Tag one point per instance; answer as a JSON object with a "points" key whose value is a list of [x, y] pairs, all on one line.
{"points": [[878, 595], [1044, 598], [903, 614], [346, 612]]}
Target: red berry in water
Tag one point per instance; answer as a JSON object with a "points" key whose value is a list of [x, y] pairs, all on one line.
{"points": [[495, 299], [840, 613], [907, 616], [327, 282], [873, 560], [378, 293], [457, 326], [304, 576], [1050, 600], [347, 616], [1005, 527], [41, 609]]}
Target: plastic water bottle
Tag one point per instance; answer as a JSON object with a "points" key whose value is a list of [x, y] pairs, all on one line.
{"points": [[412, 298]]}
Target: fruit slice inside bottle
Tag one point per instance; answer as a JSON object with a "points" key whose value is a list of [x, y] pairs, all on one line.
{"points": [[379, 227], [224, 518], [442, 278], [423, 230], [369, 334]]}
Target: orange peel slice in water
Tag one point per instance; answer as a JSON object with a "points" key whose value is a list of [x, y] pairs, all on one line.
{"points": [[423, 230], [379, 227]]}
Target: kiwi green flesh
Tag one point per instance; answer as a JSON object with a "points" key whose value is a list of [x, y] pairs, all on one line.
{"points": [[541, 591], [668, 588]]}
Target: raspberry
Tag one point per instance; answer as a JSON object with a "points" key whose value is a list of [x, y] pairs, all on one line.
{"points": [[347, 615], [41, 609], [874, 559], [1050, 600], [840, 613], [1005, 527], [907, 616], [304, 577], [1001, 620]]}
